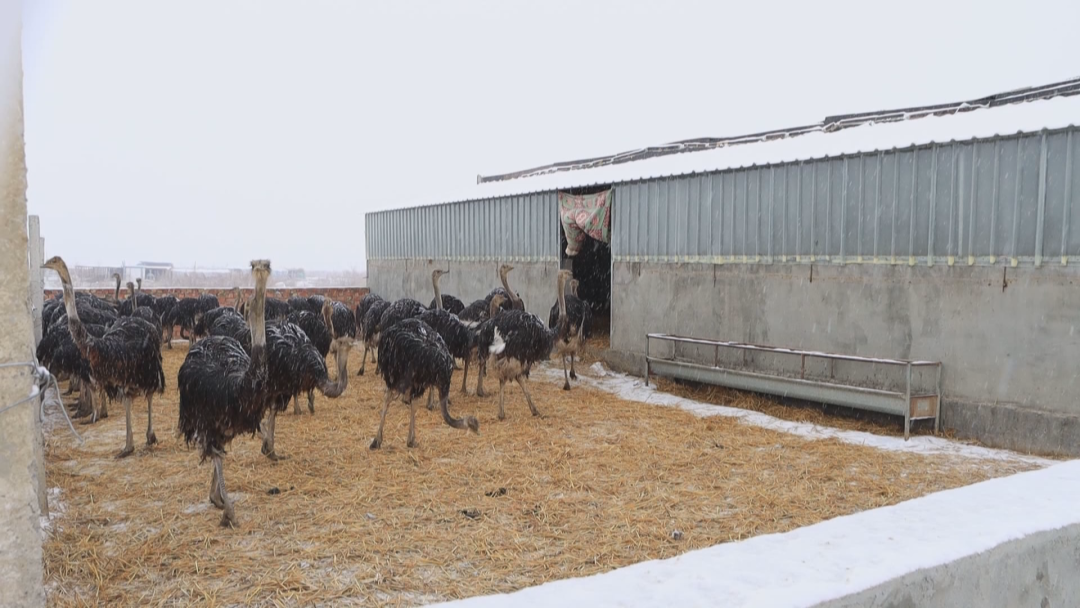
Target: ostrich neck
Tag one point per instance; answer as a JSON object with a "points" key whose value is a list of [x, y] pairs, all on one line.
{"points": [[562, 299], [438, 294], [75, 326], [494, 308], [116, 292], [335, 388], [258, 313], [506, 285], [328, 318]]}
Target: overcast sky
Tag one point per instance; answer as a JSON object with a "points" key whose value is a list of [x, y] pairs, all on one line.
{"points": [[214, 132]]}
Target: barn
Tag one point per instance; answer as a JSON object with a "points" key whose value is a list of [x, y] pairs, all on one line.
{"points": [[944, 233]]}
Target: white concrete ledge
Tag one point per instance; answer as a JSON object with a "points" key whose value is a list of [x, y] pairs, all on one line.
{"points": [[827, 564]]}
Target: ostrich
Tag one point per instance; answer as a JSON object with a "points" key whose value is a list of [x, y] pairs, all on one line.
{"points": [[572, 344], [142, 311], [344, 320], [273, 309], [125, 360], [514, 339], [204, 320], [295, 366], [459, 339], [116, 291], [405, 308], [162, 306], [223, 392], [319, 334], [315, 302], [512, 301], [134, 300], [361, 310], [412, 359], [185, 313], [297, 303], [59, 354], [370, 329], [495, 307], [446, 301]]}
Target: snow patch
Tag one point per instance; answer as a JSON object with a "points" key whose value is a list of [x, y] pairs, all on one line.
{"points": [[630, 388]]}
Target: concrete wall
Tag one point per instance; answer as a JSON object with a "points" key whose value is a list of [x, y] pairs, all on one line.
{"points": [[1007, 337], [20, 432], [1036, 570], [349, 296], [534, 282]]}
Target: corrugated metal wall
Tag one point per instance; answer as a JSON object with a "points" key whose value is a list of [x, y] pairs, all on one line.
{"points": [[1010, 199], [519, 228]]}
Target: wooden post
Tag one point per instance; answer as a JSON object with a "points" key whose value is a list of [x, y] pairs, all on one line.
{"points": [[37, 275]]}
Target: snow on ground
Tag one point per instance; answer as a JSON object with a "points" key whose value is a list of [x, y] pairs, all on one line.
{"points": [[830, 559], [631, 388]]}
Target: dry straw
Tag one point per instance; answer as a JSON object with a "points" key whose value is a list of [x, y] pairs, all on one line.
{"points": [[596, 484]]}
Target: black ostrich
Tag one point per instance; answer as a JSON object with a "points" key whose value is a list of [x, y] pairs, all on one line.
{"points": [[315, 303], [412, 359], [295, 366], [578, 316], [59, 354], [206, 320], [134, 300], [405, 308], [512, 301], [477, 312], [319, 334], [162, 306], [361, 310], [297, 303], [459, 339], [495, 307], [186, 313], [344, 320], [446, 301], [223, 392], [514, 340], [370, 330], [125, 360]]}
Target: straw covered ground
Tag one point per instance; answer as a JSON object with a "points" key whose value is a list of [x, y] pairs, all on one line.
{"points": [[596, 484]]}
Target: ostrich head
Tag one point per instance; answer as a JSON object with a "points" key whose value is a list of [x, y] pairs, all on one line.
{"points": [[138, 283], [438, 272], [57, 263], [504, 270], [131, 289], [116, 277]]}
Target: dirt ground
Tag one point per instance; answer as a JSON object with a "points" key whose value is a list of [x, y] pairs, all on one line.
{"points": [[595, 484]]}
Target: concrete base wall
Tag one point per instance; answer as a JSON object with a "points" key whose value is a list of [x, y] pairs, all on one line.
{"points": [[1037, 570], [534, 282], [1007, 338]]}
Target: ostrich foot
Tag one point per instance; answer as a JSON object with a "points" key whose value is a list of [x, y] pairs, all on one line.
{"points": [[413, 443], [480, 393], [573, 375], [215, 499], [124, 453], [566, 386], [375, 444], [151, 438], [228, 520], [502, 416]]}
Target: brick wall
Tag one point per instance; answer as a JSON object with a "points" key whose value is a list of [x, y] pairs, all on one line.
{"points": [[350, 296]]}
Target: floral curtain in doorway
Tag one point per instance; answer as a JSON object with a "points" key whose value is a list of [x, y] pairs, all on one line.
{"points": [[585, 214]]}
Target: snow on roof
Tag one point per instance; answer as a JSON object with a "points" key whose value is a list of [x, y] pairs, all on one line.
{"points": [[1055, 113], [1033, 109], [831, 559]]}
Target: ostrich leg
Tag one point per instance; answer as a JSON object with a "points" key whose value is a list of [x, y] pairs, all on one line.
{"points": [[311, 401], [228, 518], [573, 374], [465, 379], [296, 405], [377, 442], [129, 447], [430, 400], [363, 362], [71, 386], [528, 398], [566, 380], [215, 488], [480, 392], [268, 435], [412, 421], [502, 411], [151, 438]]}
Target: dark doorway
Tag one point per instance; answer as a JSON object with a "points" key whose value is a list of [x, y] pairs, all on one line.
{"points": [[592, 269]]}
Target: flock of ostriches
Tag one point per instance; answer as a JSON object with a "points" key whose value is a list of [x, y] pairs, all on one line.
{"points": [[246, 362]]}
